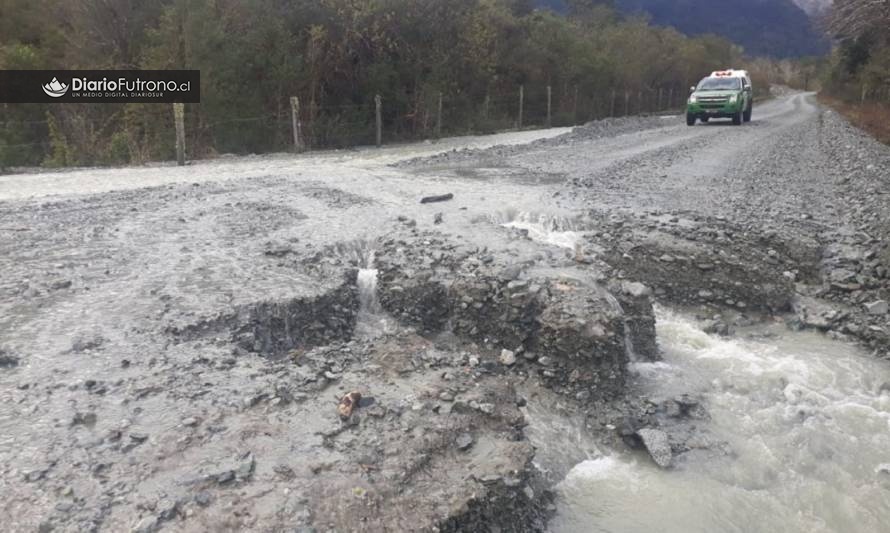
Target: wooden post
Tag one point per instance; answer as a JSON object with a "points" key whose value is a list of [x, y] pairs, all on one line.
{"points": [[296, 124], [378, 104], [521, 98], [575, 107], [671, 98], [439, 118], [612, 107], [549, 102], [626, 103], [639, 102], [179, 119], [660, 99]]}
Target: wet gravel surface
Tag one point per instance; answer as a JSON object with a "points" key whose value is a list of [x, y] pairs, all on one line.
{"points": [[174, 341]]}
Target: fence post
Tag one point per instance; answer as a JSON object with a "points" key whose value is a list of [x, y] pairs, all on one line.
{"points": [[521, 98], [179, 119], [671, 98], [296, 124], [549, 107], [612, 106], [575, 106], [626, 103], [378, 103], [439, 118], [639, 102], [660, 99]]}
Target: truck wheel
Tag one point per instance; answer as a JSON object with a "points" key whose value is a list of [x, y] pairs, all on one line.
{"points": [[737, 118], [690, 119], [748, 112]]}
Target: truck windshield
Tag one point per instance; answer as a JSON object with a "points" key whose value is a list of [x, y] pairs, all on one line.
{"points": [[720, 84]]}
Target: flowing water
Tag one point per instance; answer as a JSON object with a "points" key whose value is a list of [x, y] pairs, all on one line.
{"points": [[372, 321], [806, 421], [555, 230]]}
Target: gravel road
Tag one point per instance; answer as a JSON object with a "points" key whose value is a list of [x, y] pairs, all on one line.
{"points": [[147, 314]]}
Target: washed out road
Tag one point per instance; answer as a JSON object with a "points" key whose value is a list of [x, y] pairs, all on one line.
{"points": [[135, 387]]}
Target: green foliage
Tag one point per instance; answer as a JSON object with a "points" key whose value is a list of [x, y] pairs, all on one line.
{"points": [[60, 153], [336, 55], [859, 70]]}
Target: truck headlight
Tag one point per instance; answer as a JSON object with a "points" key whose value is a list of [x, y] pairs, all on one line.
{"points": [[693, 99], [733, 99]]}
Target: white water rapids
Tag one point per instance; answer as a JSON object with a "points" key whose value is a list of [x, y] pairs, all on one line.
{"points": [[807, 420]]}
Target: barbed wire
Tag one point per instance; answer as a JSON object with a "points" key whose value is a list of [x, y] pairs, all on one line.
{"points": [[352, 124]]}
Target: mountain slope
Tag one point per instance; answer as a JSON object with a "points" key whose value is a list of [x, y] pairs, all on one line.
{"points": [[777, 28], [814, 7]]}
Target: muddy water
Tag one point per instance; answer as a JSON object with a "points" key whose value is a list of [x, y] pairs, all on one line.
{"points": [[806, 427]]}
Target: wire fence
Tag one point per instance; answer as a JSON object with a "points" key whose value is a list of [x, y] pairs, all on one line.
{"points": [[134, 133]]}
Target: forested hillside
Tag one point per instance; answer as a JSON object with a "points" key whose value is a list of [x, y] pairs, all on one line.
{"points": [[858, 74], [335, 55], [775, 28]]}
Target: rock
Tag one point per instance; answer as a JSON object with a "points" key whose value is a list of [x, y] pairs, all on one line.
{"points": [[841, 275], [84, 419], [7, 360], [86, 344], [167, 509], [203, 498], [147, 524], [61, 284], [716, 327], [464, 441], [487, 408], [879, 307], [635, 289], [437, 218], [348, 403], [190, 421], [245, 469], [508, 357], [64, 507], [437, 198], [656, 443]]}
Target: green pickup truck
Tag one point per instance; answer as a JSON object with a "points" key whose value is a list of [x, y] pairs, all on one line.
{"points": [[723, 94]]}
